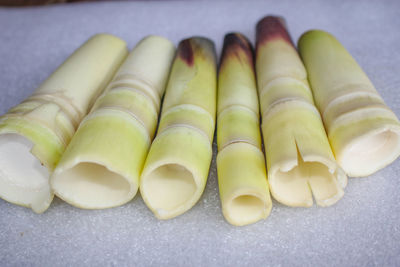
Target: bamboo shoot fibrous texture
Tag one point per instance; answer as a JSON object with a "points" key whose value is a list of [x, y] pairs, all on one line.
{"points": [[35, 133], [300, 161], [363, 131], [101, 166], [177, 166], [242, 176]]}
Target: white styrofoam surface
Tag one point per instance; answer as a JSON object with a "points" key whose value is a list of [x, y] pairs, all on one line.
{"points": [[363, 229]]}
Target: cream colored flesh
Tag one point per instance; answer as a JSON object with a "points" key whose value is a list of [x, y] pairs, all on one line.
{"points": [[23, 179], [94, 176], [299, 168], [92, 186], [243, 184], [246, 208], [173, 179], [172, 186], [296, 185], [360, 156], [172, 182]]}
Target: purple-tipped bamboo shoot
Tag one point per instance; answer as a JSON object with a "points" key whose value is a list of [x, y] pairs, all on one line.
{"points": [[242, 176], [300, 161], [176, 168]]}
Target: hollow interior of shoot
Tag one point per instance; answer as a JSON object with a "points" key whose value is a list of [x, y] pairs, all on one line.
{"points": [[168, 187], [245, 209], [91, 185], [371, 152], [297, 186], [23, 178]]}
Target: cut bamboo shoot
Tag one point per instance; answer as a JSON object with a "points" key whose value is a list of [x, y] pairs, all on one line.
{"points": [[101, 166], [300, 161], [176, 168], [363, 131], [34, 134], [242, 176]]}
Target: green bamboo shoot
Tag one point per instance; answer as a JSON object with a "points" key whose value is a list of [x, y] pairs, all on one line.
{"points": [[102, 164], [177, 165], [242, 176], [300, 161], [35, 133], [364, 133]]}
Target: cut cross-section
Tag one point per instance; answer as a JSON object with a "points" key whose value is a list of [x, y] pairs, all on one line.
{"points": [[296, 186], [172, 185], [23, 179], [91, 185]]}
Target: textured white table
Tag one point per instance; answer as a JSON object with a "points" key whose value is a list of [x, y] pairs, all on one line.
{"points": [[363, 229]]}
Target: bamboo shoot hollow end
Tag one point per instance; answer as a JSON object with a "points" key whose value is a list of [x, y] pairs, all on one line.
{"points": [[171, 185], [27, 185], [370, 152], [91, 186]]}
